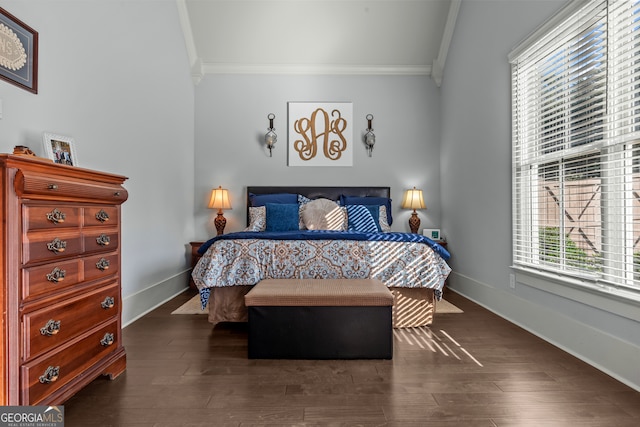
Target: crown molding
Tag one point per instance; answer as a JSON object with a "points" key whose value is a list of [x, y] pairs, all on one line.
{"points": [[185, 24], [316, 69], [438, 65]]}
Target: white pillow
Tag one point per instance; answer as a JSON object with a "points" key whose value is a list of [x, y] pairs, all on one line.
{"points": [[323, 214]]}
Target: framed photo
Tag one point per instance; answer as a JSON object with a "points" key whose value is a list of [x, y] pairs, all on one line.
{"points": [[60, 149], [18, 52], [320, 134], [432, 233]]}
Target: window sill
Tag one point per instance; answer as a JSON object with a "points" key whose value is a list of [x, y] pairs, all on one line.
{"points": [[616, 301]]}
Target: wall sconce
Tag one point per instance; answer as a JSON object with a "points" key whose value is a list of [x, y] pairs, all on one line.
{"points": [[220, 200], [369, 137], [413, 200], [270, 138]]}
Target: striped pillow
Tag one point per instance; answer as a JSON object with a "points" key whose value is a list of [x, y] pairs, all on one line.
{"points": [[363, 218]]}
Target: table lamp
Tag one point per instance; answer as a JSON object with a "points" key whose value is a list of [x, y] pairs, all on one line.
{"points": [[413, 200], [220, 200]]}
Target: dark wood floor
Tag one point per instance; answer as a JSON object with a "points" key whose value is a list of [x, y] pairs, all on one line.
{"points": [[469, 369]]}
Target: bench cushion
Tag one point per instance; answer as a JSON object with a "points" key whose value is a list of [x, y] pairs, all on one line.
{"points": [[319, 292]]}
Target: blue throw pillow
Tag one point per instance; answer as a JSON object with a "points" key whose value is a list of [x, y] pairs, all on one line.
{"points": [[363, 218], [282, 217], [262, 199], [367, 201]]}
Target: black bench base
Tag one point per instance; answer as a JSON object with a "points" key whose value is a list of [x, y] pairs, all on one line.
{"points": [[319, 332]]}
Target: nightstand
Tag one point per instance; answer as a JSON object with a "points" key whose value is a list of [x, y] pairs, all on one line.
{"points": [[195, 257]]}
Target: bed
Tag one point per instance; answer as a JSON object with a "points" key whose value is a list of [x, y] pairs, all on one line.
{"points": [[321, 232]]}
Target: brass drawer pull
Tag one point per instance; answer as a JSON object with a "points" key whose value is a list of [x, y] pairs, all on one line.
{"points": [[51, 328], [50, 375], [56, 216], [103, 264], [107, 340], [56, 275], [52, 186], [116, 194], [102, 216], [57, 245], [103, 240], [108, 303]]}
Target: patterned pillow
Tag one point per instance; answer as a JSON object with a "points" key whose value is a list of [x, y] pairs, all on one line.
{"points": [[302, 201], [323, 214], [363, 218], [384, 225], [257, 219]]}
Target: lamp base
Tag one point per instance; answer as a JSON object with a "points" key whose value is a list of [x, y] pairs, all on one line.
{"points": [[414, 222], [220, 222]]}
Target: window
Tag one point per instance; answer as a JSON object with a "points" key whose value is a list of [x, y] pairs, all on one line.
{"points": [[576, 145]]}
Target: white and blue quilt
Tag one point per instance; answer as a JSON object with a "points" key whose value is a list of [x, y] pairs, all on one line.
{"points": [[397, 259]]}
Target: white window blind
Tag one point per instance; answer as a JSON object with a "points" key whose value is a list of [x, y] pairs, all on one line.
{"points": [[576, 145]]}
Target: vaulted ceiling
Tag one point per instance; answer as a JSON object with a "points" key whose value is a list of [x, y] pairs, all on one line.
{"points": [[374, 37]]}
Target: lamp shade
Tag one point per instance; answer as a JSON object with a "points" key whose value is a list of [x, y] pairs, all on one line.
{"points": [[413, 200], [219, 199]]}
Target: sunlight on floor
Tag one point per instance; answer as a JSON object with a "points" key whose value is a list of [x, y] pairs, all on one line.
{"points": [[427, 339]]}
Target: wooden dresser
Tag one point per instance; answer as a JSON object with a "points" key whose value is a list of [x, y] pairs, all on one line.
{"points": [[60, 272]]}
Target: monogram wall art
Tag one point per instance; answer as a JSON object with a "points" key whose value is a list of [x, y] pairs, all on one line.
{"points": [[320, 134]]}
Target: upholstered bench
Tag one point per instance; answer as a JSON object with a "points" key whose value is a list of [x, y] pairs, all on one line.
{"points": [[320, 319]]}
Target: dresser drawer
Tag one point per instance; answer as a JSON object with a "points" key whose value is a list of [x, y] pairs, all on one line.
{"points": [[48, 278], [101, 215], [101, 241], [51, 327], [38, 217], [48, 373], [99, 266], [45, 246], [37, 185]]}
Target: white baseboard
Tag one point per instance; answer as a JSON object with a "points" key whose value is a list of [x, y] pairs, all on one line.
{"points": [[610, 354], [136, 305]]}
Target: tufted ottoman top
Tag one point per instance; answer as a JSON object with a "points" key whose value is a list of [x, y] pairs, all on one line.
{"points": [[319, 292]]}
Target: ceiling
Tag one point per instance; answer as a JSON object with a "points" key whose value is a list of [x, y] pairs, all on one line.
{"points": [[375, 37]]}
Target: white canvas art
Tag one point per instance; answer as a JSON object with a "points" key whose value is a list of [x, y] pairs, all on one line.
{"points": [[320, 134]]}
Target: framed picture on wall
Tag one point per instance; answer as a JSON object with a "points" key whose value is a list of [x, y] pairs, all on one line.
{"points": [[18, 52], [60, 149]]}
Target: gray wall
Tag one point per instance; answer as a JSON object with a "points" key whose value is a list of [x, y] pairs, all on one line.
{"points": [[119, 83], [231, 120], [476, 198]]}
